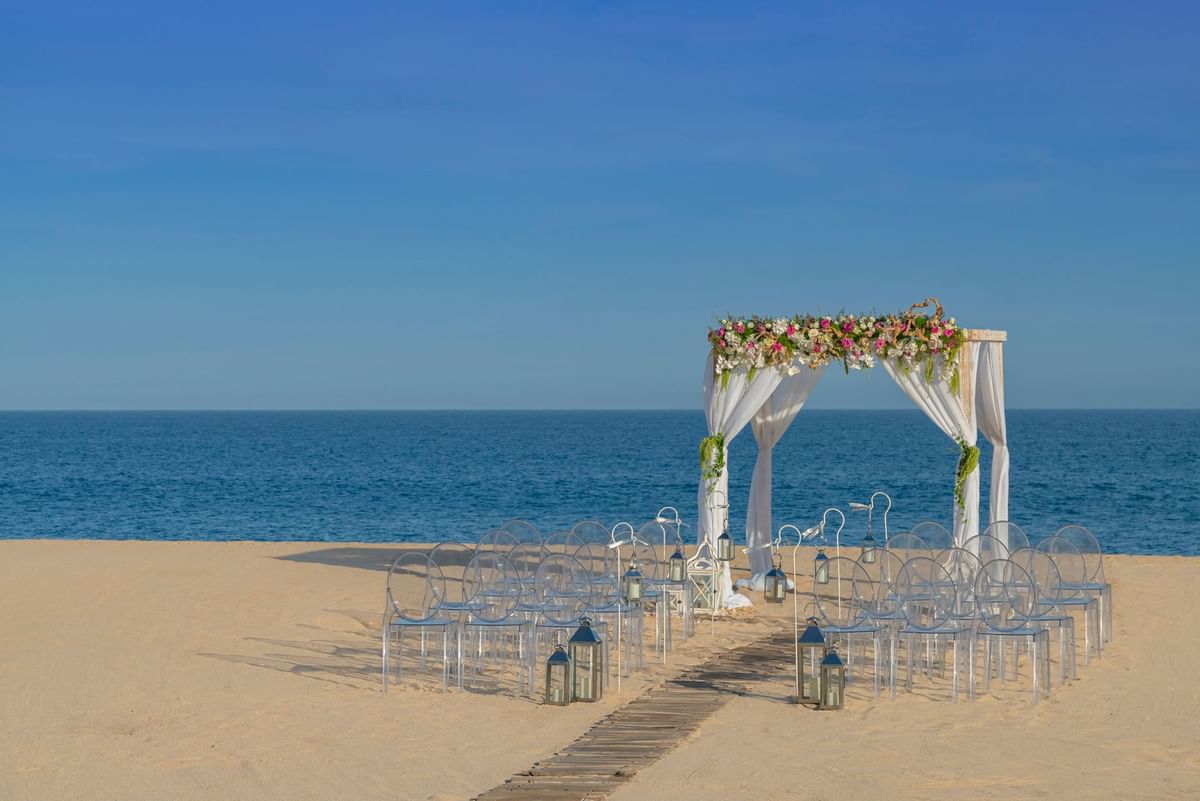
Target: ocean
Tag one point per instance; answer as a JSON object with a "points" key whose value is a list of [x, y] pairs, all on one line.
{"points": [[1133, 477]]}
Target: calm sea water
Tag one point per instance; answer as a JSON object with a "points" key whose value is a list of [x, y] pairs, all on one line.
{"points": [[1131, 476]]}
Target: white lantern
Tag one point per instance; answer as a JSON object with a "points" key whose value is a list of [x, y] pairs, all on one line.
{"points": [[558, 677], [833, 681]]}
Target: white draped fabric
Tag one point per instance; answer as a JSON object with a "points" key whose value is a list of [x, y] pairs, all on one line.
{"points": [[989, 406], [769, 425], [728, 409], [942, 406]]}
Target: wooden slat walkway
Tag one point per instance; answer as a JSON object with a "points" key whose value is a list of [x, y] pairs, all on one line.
{"points": [[644, 730]]}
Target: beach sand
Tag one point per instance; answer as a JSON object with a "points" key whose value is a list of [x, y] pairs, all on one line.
{"points": [[190, 670]]}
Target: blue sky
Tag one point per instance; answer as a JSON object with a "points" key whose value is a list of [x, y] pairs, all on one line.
{"points": [[545, 205]]}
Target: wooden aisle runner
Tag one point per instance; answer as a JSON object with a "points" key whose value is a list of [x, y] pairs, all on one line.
{"points": [[644, 730]]}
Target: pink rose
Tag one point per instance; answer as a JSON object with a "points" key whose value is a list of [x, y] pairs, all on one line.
{"points": [[777, 347], [846, 343], [879, 344], [762, 329], [825, 323], [749, 346], [740, 328], [947, 330], [791, 329], [816, 348], [721, 332]]}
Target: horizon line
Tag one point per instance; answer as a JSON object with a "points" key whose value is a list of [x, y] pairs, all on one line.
{"points": [[245, 410]]}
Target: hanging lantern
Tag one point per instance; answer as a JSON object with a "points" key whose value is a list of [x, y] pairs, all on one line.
{"points": [[869, 555], [586, 652], [631, 583], [833, 680], [811, 653], [678, 566], [775, 583], [724, 548], [821, 567], [558, 677]]}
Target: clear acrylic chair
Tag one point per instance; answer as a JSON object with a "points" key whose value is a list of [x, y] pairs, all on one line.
{"points": [[928, 598], [1050, 615], [497, 540], [1007, 599], [986, 547], [841, 607], [562, 542], [500, 633], [1093, 558], [1073, 571], [909, 546], [523, 530], [452, 558], [414, 586], [591, 531], [934, 535], [963, 566], [1012, 536], [881, 602]]}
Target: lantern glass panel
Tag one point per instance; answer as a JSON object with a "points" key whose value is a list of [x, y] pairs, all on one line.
{"points": [[678, 567], [775, 585], [821, 568], [633, 583], [586, 651], [812, 651], [558, 677], [724, 548], [869, 554], [832, 681]]}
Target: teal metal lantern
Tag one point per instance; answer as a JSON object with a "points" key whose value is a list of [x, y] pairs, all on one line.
{"points": [[832, 681], [821, 567], [775, 583], [810, 654], [631, 583], [586, 651], [558, 677]]}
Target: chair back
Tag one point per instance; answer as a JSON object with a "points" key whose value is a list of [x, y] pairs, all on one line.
{"points": [[451, 558], [1089, 548], [841, 601], [591, 531], [1012, 536], [963, 567], [564, 589], [497, 540], [935, 535], [1072, 568], [986, 547], [926, 594], [909, 546], [881, 575], [1041, 566], [563, 542], [492, 587], [1006, 595], [415, 585], [656, 535], [523, 530]]}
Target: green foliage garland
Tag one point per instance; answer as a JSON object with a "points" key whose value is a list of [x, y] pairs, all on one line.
{"points": [[712, 457], [968, 460]]}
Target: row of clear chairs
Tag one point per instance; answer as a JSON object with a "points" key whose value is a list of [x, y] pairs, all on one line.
{"points": [[498, 604], [929, 604]]}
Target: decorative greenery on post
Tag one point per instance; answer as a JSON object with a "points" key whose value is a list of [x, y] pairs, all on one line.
{"points": [[968, 460], [712, 457]]}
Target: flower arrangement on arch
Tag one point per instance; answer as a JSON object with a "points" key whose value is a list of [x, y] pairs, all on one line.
{"points": [[918, 337]]}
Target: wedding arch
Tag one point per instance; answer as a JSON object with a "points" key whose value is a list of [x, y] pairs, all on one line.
{"points": [[761, 370]]}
